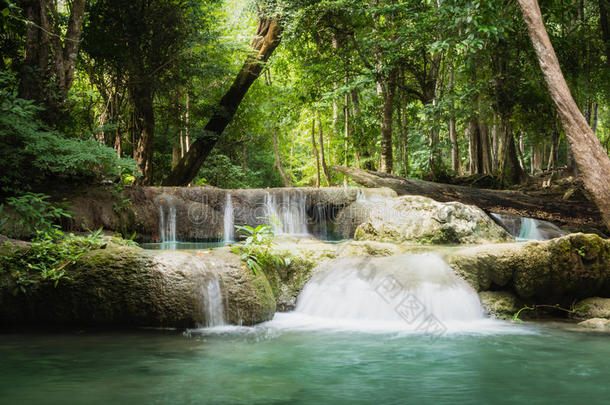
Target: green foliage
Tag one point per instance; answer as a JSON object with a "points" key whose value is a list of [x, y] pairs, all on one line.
{"points": [[257, 251], [47, 257], [34, 214], [32, 155]]}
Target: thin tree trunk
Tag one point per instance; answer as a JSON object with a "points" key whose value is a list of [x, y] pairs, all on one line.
{"points": [[322, 154], [278, 160], [520, 149], [347, 134], [604, 10], [268, 33], [187, 122], [315, 150], [404, 130], [244, 157], [592, 161], [453, 137], [386, 155]]}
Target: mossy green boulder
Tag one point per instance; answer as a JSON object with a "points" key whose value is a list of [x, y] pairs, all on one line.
{"points": [[551, 272], [129, 286]]}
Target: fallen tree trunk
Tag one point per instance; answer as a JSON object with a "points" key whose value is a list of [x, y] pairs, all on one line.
{"points": [[573, 214]]}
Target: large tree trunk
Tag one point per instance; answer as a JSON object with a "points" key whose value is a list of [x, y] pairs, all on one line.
{"points": [[47, 71], [268, 33], [145, 123], [572, 213], [509, 167], [387, 158], [591, 159]]}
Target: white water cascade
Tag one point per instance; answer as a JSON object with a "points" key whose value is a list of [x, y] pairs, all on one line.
{"points": [[529, 230], [167, 225], [287, 214], [214, 308], [397, 293], [229, 231], [524, 229]]}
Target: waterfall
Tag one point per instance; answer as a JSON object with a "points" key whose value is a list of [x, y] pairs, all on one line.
{"points": [[212, 302], [288, 214], [167, 226], [524, 229], [399, 293], [229, 233], [529, 230]]}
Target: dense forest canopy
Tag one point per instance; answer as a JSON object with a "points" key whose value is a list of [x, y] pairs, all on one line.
{"points": [[247, 93]]}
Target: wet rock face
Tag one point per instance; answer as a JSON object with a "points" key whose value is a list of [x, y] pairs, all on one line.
{"points": [[199, 210], [500, 304], [596, 324], [550, 272], [132, 287], [423, 220]]}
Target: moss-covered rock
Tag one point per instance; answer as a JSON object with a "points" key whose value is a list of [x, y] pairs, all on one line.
{"points": [[422, 220], [555, 271], [123, 285], [594, 307], [500, 304]]}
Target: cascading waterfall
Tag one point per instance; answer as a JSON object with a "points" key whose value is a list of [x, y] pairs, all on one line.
{"points": [[399, 293], [524, 229], [288, 214], [167, 226], [529, 230], [212, 302], [229, 233]]}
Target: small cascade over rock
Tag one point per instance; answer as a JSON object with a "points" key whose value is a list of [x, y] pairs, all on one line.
{"points": [[229, 232], [167, 225], [524, 229], [213, 303], [287, 213], [404, 290]]}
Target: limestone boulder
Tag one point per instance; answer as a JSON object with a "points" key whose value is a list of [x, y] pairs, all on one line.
{"points": [[416, 219]]}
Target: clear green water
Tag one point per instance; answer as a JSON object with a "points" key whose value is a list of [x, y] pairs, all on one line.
{"points": [[265, 365]]}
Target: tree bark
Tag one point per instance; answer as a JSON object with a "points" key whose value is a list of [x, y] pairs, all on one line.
{"points": [[591, 159], [145, 123], [268, 36], [572, 213]]}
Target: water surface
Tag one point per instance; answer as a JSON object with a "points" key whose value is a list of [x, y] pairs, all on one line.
{"points": [[274, 364]]}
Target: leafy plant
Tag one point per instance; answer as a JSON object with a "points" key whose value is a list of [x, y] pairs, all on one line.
{"points": [[35, 213], [48, 257], [516, 315], [257, 249]]}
